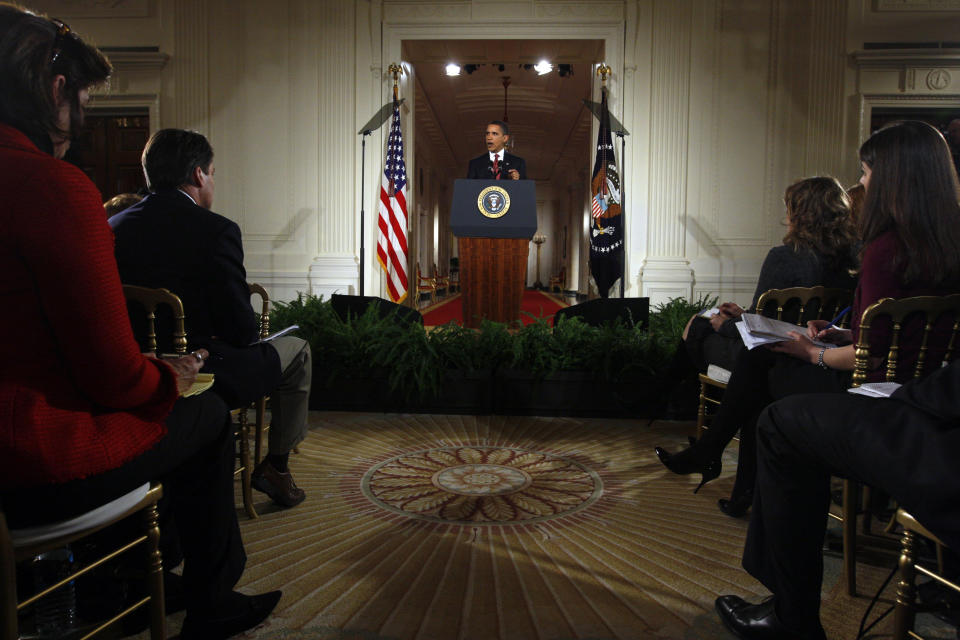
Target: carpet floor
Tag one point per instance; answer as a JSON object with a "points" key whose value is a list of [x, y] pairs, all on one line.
{"points": [[433, 527], [534, 305]]}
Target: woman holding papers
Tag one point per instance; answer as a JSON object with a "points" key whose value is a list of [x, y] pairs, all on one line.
{"points": [[910, 228], [818, 249]]}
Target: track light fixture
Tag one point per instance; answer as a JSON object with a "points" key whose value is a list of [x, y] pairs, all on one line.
{"points": [[542, 68]]}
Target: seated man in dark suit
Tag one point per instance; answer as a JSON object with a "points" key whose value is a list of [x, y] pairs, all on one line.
{"points": [[497, 164], [905, 445], [171, 239]]}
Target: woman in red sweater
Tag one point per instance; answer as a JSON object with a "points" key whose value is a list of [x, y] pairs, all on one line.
{"points": [[84, 417], [911, 233]]}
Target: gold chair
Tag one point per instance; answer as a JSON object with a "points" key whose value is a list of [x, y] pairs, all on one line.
{"points": [[559, 281], [809, 303], [149, 300], [441, 281], [245, 464], [454, 278], [23, 544], [904, 611], [424, 285], [931, 310]]}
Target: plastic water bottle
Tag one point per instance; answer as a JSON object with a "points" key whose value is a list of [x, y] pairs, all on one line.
{"points": [[56, 614]]}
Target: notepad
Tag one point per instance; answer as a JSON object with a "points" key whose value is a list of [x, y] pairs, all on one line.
{"points": [[875, 389], [203, 382], [282, 332], [756, 330]]}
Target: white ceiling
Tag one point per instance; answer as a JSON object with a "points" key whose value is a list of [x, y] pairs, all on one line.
{"points": [[549, 125]]}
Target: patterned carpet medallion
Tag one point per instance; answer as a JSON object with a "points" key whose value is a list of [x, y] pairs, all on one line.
{"points": [[489, 527], [481, 485]]}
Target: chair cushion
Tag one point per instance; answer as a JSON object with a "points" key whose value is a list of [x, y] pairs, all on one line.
{"points": [[88, 520]]}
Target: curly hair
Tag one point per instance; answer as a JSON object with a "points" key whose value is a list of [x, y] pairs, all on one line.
{"points": [[819, 212]]}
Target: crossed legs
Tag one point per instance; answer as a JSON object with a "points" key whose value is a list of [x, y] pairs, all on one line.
{"points": [[801, 442]]}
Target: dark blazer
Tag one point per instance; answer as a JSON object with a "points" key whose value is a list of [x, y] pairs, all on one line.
{"points": [[168, 241], [481, 168]]}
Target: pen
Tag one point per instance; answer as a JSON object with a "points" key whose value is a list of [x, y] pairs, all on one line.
{"points": [[833, 323], [843, 312]]}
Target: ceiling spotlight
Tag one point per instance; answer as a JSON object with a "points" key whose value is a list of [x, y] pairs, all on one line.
{"points": [[453, 69], [470, 68], [543, 67], [564, 70], [500, 67]]}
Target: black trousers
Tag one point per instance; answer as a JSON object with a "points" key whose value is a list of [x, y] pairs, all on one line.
{"points": [[760, 377], [802, 441], [705, 346], [194, 461]]}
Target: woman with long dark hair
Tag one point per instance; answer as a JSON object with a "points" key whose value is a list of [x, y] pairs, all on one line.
{"points": [[910, 228], [85, 417]]}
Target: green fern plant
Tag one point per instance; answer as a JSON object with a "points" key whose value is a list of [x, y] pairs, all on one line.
{"points": [[415, 361]]}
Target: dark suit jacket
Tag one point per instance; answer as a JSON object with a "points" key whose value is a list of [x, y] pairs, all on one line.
{"points": [[482, 169], [168, 241]]}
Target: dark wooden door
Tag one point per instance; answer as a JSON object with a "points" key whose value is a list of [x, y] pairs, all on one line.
{"points": [[109, 151]]}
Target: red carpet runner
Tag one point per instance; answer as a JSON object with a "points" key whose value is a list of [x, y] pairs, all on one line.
{"points": [[538, 303]]}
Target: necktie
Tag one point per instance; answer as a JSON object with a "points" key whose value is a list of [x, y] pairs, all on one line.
{"points": [[496, 167]]}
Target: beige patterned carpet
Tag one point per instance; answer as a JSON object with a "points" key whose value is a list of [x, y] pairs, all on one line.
{"points": [[487, 527]]}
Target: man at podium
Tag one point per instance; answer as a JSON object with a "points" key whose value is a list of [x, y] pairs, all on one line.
{"points": [[497, 164]]}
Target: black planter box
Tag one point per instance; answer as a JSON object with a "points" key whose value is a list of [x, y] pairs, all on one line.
{"points": [[572, 393], [463, 392], [503, 392]]}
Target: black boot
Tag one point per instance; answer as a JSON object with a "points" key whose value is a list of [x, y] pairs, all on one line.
{"points": [[696, 459]]}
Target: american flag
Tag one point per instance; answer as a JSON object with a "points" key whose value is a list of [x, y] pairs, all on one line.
{"points": [[392, 239]]}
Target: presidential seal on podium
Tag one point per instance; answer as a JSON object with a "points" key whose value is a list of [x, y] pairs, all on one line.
{"points": [[493, 202]]}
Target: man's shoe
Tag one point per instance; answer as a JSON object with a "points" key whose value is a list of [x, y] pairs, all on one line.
{"points": [[279, 486], [757, 621], [238, 613]]}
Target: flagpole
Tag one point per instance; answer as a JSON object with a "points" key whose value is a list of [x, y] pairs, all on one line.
{"points": [[623, 208], [363, 165], [603, 71]]}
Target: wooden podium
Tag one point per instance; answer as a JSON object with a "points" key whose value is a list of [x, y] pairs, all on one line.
{"points": [[494, 221]]}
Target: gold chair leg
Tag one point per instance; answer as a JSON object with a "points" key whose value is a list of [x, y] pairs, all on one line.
{"points": [[247, 473], [866, 526], [702, 412], [904, 611], [261, 418], [158, 620], [849, 512], [8, 585]]}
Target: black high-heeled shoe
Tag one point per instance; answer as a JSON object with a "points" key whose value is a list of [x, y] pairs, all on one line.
{"points": [[736, 506], [690, 461]]}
